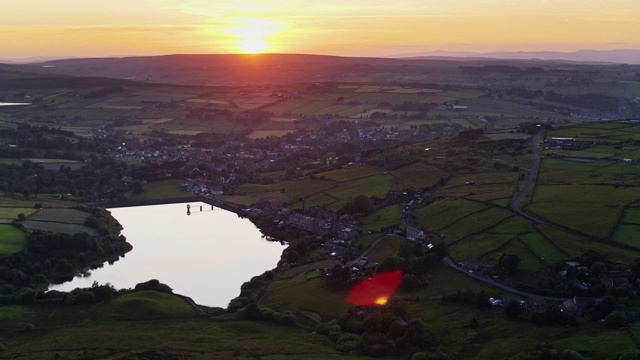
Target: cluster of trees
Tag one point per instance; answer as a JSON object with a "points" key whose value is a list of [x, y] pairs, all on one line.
{"points": [[414, 260], [38, 139], [389, 331], [98, 179], [590, 101], [507, 69], [261, 313], [247, 117], [339, 277], [597, 102], [48, 256], [154, 285], [95, 294], [104, 92], [532, 128], [547, 352], [360, 205], [477, 299], [414, 106], [559, 279], [390, 159]]}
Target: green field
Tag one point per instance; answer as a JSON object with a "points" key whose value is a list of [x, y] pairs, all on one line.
{"points": [[166, 189], [464, 185], [440, 214], [474, 223], [295, 292], [376, 185], [9, 214], [588, 208], [350, 173], [319, 199], [544, 249], [386, 217], [417, 175], [10, 161], [80, 332], [627, 234], [144, 305], [60, 220], [12, 239]]}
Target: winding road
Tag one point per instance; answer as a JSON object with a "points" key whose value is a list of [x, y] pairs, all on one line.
{"points": [[452, 264], [515, 205]]}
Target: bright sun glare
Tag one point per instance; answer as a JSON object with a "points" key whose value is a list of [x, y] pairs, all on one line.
{"points": [[382, 300], [253, 35]]}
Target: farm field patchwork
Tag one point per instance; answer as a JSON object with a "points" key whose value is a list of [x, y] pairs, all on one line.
{"points": [[383, 218], [440, 214], [574, 245], [417, 175], [589, 209], [66, 221], [386, 247], [474, 223], [9, 214], [350, 173], [376, 185]]}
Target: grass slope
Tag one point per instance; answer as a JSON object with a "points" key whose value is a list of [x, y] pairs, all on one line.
{"points": [[12, 239]]}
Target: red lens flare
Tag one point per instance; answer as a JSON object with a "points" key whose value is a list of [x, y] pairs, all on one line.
{"points": [[375, 290]]}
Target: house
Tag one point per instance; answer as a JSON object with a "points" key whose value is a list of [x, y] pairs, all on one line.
{"points": [[508, 298], [413, 233], [407, 221], [535, 305], [474, 265], [360, 263], [305, 222], [576, 306]]}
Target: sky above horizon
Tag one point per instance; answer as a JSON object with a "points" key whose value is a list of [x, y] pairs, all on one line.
{"points": [[74, 28]]}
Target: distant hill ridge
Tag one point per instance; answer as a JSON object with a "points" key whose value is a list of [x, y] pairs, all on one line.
{"points": [[620, 56], [241, 69]]}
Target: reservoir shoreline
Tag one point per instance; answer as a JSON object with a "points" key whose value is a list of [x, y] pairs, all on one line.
{"points": [[207, 260], [184, 199]]}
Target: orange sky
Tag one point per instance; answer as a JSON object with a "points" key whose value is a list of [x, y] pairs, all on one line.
{"points": [[33, 28]]}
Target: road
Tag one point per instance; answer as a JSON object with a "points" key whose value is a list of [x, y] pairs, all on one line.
{"points": [[515, 205], [452, 264]]}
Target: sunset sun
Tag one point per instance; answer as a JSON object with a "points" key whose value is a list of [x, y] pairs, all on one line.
{"points": [[253, 36]]}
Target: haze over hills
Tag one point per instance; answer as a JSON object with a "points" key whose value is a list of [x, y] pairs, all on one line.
{"points": [[235, 69], [621, 56]]}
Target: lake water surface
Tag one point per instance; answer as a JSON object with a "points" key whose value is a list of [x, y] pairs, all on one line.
{"points": [[206, 255]]}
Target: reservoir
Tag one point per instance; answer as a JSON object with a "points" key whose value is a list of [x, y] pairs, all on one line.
{"points": [[207, 255]]}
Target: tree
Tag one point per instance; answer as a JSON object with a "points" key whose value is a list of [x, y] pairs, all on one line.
{"points": [[137, 187], [513, 309], [362, 204], [392, 263], [509, 263], [603, 307], [615, 320], [598, 268]]}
